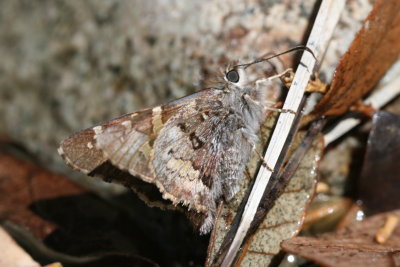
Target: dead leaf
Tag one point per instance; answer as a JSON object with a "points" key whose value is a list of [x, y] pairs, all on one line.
{"points": [[375, 48], [24, 184], [286, 217], [352, 246]]}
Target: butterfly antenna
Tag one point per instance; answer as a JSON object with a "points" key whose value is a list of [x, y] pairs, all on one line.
{"points": [[296, 48]]}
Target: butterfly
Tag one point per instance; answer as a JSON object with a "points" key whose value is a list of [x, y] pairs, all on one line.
{"points": [[193, 150]]}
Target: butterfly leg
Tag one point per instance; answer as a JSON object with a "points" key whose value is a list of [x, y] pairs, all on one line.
{"points": [[281, 110], [286, 77], [264, 162], [274, 86], [315, 85]]}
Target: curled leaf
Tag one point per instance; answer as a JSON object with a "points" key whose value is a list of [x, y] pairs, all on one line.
{"points": [[375, 48]]}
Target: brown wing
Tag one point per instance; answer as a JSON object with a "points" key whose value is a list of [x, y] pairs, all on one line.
{"points": [[122, 149], [126, 141], [81, 150]]}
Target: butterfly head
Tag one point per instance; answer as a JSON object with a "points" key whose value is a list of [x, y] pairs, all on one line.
{"points": [[241, 81]]}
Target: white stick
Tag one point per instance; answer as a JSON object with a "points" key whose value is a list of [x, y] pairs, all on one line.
{"points": [[377, 100], [324, 25]]}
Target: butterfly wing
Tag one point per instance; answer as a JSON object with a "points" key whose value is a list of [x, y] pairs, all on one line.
{"points": [[200, 154], [126, 142], [191, 149], [101, 151], [88, 149], [82, 152]]}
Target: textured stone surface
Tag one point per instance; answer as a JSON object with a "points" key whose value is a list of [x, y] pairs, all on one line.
{"points": [[67, 65]]}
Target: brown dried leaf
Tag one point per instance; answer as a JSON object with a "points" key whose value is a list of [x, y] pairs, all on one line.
{"points": [[352, 246], [375, 48], [22, 184], [285, 218]]}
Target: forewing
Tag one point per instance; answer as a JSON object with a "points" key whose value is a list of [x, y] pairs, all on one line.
{"points": [[82, 151], [125, 142], [127, 136]]}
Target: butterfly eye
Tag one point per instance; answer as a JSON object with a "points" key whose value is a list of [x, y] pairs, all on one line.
{"points": [[233, 76]]}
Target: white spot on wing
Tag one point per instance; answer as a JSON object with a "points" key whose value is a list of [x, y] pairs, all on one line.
{"points": [[98, 129], [60, 151], [89, 145], [157, 111], [127, 124], [156, 119]]}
